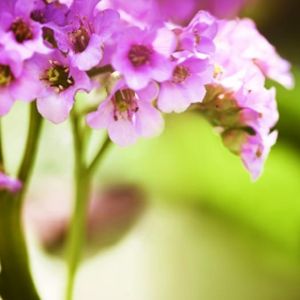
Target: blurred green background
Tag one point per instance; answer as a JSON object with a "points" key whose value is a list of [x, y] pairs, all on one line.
{"points": [[208, 232]]}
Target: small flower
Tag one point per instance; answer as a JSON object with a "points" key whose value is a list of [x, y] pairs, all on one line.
{"points": [[233, 41], [50, 13], [252, 148], [9, 184], [59, 82], [199, 35], [128, 114], [262, 101], [85, 33], [142, 56], [186, 86], [18, 32], [255, 151]]}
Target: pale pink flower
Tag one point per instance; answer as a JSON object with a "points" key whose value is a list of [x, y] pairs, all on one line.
{"points": [[128, 114]]}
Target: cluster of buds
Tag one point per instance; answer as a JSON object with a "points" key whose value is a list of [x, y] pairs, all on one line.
{"points": [[50, 50]]}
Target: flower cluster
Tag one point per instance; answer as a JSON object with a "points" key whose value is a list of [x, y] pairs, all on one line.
{"points": [[50, 50]]}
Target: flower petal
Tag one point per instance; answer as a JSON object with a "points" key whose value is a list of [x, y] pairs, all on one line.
{"points": [[55, 108]]}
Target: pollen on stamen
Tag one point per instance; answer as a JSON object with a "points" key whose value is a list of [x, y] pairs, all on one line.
{"points": [[58, 77]]}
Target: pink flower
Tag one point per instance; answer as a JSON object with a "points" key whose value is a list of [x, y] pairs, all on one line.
{"points": [[263, 102], [9, 184], [234, 49], [142, 56], [255, 151], [186, 86], [199, 35], [128, 114], [18, 32], [59, 83], [86, 32]]}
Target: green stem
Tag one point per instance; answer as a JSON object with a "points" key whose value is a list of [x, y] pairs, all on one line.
{"points": [[77, 230], [83, 183], [16, 280], [99, 156]]}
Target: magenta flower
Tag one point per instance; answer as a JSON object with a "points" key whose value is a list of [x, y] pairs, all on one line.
{"points": [[59, 83], [16, 81], [128, 114], [9, 184], [85, 33], [18, 32], [199, 35], [186, 86], [50, 13], [142, 56]]}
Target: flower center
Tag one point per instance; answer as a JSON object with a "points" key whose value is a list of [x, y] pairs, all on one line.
{"points": [[21, 30], [125, 102], [80, 39], [180, 74], [38, 15], [58, 76], [139, 55], [6, 76]]}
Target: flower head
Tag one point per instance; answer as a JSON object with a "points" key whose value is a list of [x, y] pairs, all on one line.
{"points": [[86, 31], [252, 148], [50, 13], [128, 114], [142, 56], [186, 86], [199, 35], [59, 83], [18, 32]]}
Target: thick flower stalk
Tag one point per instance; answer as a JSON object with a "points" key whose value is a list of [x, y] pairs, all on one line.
{"points": [[150, 58]]}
